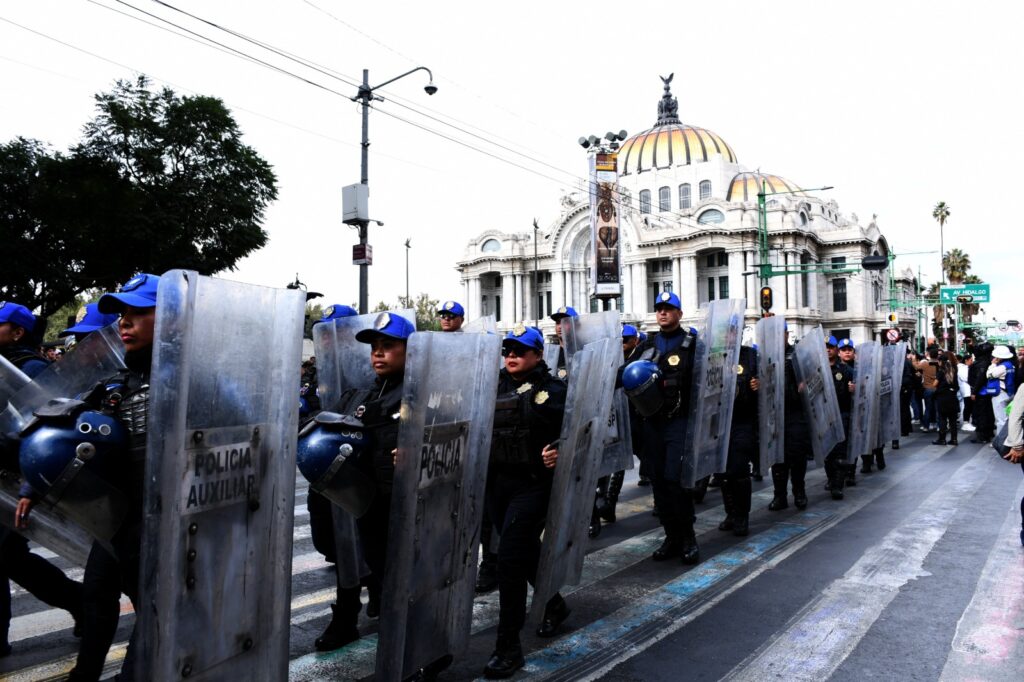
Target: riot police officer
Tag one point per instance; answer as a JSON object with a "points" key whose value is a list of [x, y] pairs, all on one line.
{"points": [[452, 315], [847, 352], [842, 378], [797, 443], [664, 432], [37, 575], [735, 481], [524, 452], [557, 316]]}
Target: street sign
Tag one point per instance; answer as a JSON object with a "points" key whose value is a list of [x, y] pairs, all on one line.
{"points": [[362, 254], [893, 335], [893, 318], [979, 292]]}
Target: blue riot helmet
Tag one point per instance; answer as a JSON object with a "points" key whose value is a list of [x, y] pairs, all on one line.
{"points": [[328, 455], [642, 383], [72, 456]]}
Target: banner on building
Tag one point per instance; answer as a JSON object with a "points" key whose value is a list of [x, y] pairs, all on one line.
{"points": [[604, 224]]}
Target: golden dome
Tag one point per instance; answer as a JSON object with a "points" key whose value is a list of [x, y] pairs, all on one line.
{"points": [[670, 142], [745, 186]]}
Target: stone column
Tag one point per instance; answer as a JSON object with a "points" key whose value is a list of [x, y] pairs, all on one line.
{"points": [[736, 279], [641, 304], [677, 277], [508, 297], [520, 307], [688, 293], [626, 277], [557, 288], [753, 282]]}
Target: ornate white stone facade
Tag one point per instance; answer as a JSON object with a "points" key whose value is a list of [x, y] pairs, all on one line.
{"points": [[702, 249]]}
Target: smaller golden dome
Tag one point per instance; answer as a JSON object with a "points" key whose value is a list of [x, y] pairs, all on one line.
{"points": [[745, 186]]}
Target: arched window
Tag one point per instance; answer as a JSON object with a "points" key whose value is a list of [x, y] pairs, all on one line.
{"points": [[645, 201], [705, 189], [684, 195], [803, 218], [711, 217], [490, 246], [664, 199]]}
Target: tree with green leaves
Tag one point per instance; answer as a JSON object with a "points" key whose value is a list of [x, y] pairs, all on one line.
{"points": [[941, 214], [159, 181], [956, 265]]}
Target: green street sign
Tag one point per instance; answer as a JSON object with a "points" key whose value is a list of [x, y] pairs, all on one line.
{"points": [[978, 292]]}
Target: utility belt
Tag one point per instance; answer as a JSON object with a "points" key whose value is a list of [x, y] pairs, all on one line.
{"points": [[510, 442]]}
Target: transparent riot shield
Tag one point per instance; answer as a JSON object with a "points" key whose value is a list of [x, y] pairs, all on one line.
{"points": [[551, 352], [588, 400], [818, 394], [444, 442], [342, 363], [863, 410], [771, 403], [486, 324], [713, 393], [220, 481], [889, 384], [577, 333], [48, 527], [12, 380], [97, 358]]}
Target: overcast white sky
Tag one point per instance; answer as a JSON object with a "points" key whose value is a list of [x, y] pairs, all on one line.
{"points": [[899, 105]]}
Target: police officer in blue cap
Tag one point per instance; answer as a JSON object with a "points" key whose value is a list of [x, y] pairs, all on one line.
{"points": [[735, 480], [524, 452], [377, 409], [847, 351], [93, 320], [452, 315], [557, 316], [664, 432], [34, 573], [796, 442], [836, 467]]}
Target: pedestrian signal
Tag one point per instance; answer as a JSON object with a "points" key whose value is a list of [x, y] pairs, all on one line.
{"points": [[766, 298]]}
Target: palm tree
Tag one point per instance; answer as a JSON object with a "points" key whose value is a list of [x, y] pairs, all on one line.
{"points": [[956, 264], [941, 213]]}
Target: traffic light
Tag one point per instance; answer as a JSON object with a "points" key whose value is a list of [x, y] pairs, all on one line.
{"points": [[893, 318], [766, 298]]}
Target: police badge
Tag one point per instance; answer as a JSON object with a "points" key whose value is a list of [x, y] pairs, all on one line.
{"points": [[519, 329], [541, 397], [524, 388], [383, 320], [673, 360]]}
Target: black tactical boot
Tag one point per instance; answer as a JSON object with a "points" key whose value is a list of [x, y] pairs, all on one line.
{"points": [[373, 604], [670, 549], [337, 634], [728, 498], [851, 473], [880, 459], [799, 496], [487, 577], [953, 441], [611, 498], [431, 670], [555, 614], [741, 490], [691, 552], [896, 444], [595, 523], [506, 659], [941, 440], [779, 480], [700, 489], [866, 462]]}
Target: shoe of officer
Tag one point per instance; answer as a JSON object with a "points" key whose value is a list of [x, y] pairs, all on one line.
{"points": [[607, 510], [373, 605], [851, 474], [554, 615], [799, 498], [700, 490], [691, 551], [896, 444], [779, 481], [671, 548], [595, 523], [880, 461], [431, 670], [866, 463], [336, 635], [506, 659], [643, 482], [487, 577]]}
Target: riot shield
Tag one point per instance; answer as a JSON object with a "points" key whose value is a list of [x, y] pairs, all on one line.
{"points": [[12, 380], [771, 401], [342, 363], [577, 333], [48, 527], [220, 481], [97, 358], [551, 353], [863, 411], [818, 394], [713, 392], [444, 442], [485, 324], [588, 401], [889, 385]]}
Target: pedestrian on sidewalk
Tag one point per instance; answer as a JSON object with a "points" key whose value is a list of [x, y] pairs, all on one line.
{"points": [[1015, 441]]}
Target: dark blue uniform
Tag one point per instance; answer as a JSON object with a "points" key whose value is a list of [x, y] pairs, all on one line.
{"points": [[797, 445], [743, 444], [836, 466]]}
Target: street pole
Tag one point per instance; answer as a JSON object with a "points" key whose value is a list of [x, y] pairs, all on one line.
{"points": [[536, 290], [365, 95], [408, 246], [942, 282]]}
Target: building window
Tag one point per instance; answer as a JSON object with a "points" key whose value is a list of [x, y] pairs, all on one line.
{"points": [[490, 246], [803, 218], [659, 278], [705, 189], [645, 201], [723, 287], [497, 308], [664, 199], [839, 295], [713, 270], [805, 280], [838, 262], [711, 217], [723, 259], [841, 334], [684, 195], [711, 288]]}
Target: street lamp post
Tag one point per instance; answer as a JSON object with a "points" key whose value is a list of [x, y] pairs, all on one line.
{"points": [[536, 289], [408, 246], [364, 97]]}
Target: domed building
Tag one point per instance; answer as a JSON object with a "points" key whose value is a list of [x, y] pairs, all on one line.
{"points": [[688, 222]]}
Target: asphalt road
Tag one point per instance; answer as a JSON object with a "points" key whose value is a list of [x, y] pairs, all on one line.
{"points": [[917, 575]]}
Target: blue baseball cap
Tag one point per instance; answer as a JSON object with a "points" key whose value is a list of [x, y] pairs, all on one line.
{"points": [[335, 312], [667, 298], [630, 332], [846, 343], [564, 311], [528, 337], [138, 292], [643, 336], [17, 315], [453, 307], [831, 341], [387, 324], [92, 321]]}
